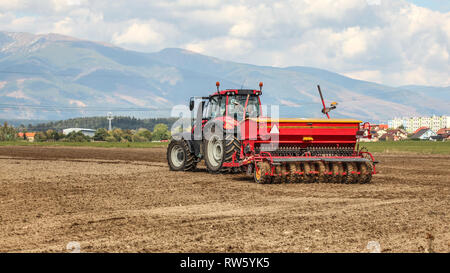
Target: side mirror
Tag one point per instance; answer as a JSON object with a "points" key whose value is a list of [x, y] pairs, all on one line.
{"points": [[191, 104]]}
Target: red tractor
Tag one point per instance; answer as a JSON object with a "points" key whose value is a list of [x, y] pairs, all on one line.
{"points": [[231, 135]]}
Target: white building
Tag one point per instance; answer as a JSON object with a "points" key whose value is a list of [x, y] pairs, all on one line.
{"points": [[86, 132], [411, 124]]}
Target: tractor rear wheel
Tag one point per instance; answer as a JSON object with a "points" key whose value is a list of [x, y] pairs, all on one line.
{"points": [[180, 157], [232, 145], [218, 149], [214, 152]]}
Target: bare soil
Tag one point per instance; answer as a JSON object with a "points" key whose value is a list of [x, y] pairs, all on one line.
{"points": [[126, 200]]}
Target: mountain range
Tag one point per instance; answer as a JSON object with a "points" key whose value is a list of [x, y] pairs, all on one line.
{"points": [[51, 77]]}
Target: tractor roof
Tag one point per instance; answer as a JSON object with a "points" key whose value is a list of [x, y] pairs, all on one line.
{"points": [[237, 92]]}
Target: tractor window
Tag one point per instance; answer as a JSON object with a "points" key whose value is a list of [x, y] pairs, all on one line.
{"points": [[236, 105], [253, 107], [214, 108], [223, 103], [206, 110]]}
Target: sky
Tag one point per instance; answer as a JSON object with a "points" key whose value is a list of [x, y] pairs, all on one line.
{"points": [[438, 5], [394, 42]]}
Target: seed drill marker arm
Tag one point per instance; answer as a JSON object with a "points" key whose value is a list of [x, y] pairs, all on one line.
{"points": [[325, 110]]}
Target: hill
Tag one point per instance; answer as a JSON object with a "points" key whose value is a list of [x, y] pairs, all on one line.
{"points": [[54, 77]]}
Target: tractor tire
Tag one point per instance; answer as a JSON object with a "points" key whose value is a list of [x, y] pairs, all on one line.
{"points": [[219, 149], [214, 152], [179, 157], [232, 145]]}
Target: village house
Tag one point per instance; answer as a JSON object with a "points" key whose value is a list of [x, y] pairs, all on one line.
{"points": [[394, 135], [436, 138], [419, 129], [424, 134], [376, 131], [380, 132], [28, 136], [84, 131], [444, 133], [378, 127]]}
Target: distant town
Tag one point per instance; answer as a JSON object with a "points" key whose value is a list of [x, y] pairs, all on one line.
{"points": [[432, 128]]}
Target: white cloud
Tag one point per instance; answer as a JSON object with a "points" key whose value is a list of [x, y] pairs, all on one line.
{"points": [[242, 29], [367, 75], [355, 42], [138, 33], [221, 46], [64, 26], [388, 41], [289, 103], [78, 103], [18, 94], [130, 99], [63, 5], [10, 4]]}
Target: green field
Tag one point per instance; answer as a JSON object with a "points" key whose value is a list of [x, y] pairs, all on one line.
{"points": [[87, 144], [421, 147]]}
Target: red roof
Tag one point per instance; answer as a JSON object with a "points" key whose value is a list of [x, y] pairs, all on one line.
{"points": [[26, 134], [381, 126], [421, 128], [443, 131]]}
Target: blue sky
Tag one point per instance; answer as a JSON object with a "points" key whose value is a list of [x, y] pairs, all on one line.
{"points": [[395, 42], [438, 5]]}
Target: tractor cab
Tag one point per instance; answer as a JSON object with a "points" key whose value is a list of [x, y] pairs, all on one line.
{"points": [[236, 104]]}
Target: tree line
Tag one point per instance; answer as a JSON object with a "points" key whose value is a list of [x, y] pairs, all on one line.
{"points": [[122, 122], [160, 132], [7, 132], [133, 130]]}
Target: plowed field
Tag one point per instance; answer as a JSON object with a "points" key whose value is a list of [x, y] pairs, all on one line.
{"points": [[126, 200]]}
